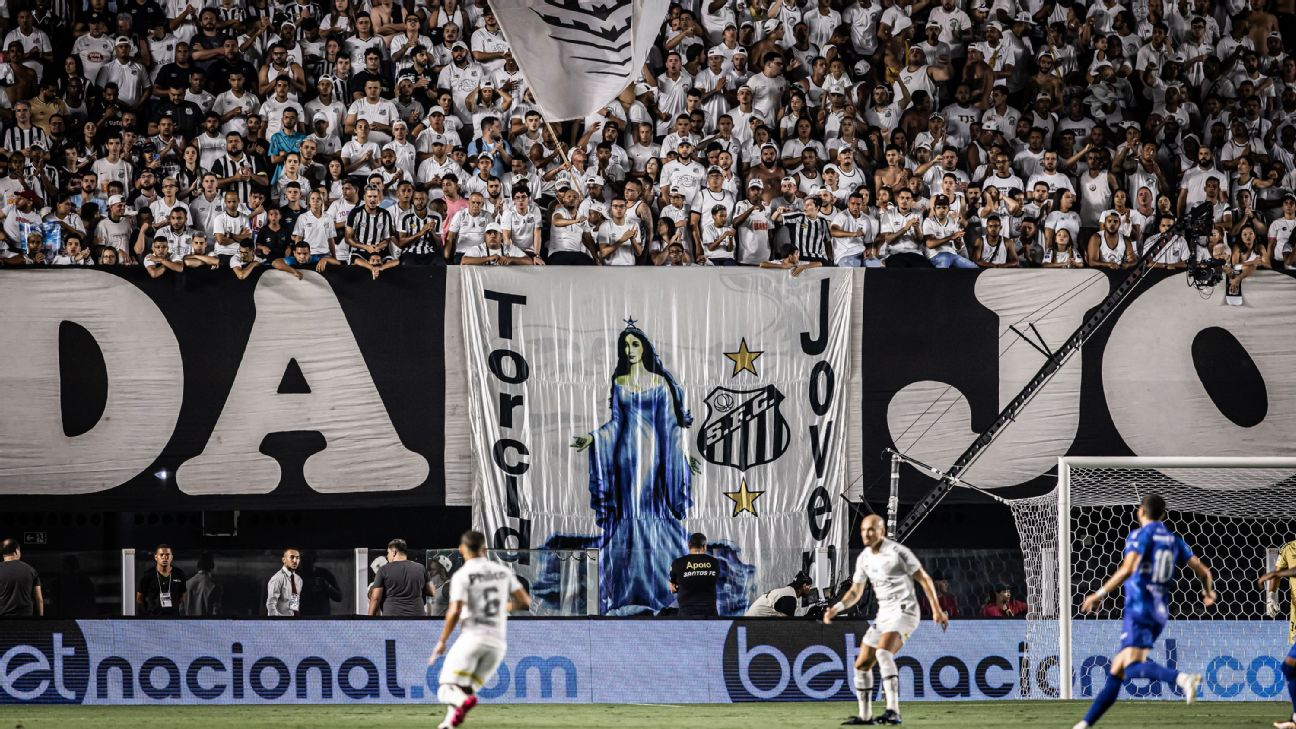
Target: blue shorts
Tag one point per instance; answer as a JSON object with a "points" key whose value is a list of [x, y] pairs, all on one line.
{"points": [[1139, 630], [1291, 654]]}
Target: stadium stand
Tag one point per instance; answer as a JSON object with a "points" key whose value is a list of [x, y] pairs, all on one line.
{"points": [[868, 133]]}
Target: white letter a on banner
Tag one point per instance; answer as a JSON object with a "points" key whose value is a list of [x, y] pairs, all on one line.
{"points": [[302, 321]]}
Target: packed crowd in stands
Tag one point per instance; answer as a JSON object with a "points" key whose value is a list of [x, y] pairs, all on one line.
{"points": [[900, 133]]}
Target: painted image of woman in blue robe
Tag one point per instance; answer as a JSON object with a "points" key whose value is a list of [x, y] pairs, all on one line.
{"points": [[641, 480]]}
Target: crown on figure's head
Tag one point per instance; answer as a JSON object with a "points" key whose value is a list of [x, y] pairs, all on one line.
{"points": [[630, 323]]}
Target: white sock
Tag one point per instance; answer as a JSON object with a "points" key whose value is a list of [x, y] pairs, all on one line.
{"points": [[450, 712], [864, 692], [890, 679], [451, 694]]}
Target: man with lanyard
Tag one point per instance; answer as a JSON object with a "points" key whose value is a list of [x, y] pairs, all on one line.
{"points": [[283, 593], [161, 592]]}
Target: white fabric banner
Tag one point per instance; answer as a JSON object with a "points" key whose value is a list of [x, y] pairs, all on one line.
{"points": [[626, 410], [578, 55]]}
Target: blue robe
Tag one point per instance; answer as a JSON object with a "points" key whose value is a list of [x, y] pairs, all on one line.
{"points": [[640, 490]]}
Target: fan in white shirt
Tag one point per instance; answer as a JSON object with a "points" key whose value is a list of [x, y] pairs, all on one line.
{"points": [[379, 112], [1281, 242], [682, 172], [853, 232], [620, 241], [493, 251], [94, 48], [719, 239], [315, 227], [230, 227], [1176, 250]]}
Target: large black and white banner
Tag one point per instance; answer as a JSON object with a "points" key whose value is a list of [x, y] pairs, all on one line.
{"points": [[204, 392], [577, 55], [623, 410], [200, 391], [1174, 372]]}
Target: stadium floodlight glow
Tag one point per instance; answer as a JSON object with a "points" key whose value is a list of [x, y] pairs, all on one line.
{"points": [[1234, 512]]}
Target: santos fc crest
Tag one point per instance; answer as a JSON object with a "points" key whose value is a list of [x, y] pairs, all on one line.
{"points": [[744, 428]]}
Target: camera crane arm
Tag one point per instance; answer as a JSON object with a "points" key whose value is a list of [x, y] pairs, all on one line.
{"points": [[1189, 225]]}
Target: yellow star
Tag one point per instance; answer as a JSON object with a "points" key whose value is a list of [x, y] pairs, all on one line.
{"points": [[744, 359], [743, 499]]}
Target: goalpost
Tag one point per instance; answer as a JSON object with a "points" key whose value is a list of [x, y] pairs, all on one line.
{"points": [[1235, 513]]}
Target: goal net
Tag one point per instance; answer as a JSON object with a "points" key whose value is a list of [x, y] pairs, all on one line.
{"points": [[1235, 513]]}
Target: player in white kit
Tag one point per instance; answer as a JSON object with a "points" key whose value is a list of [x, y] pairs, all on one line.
{"points": [[481, 594], [893, 569]]}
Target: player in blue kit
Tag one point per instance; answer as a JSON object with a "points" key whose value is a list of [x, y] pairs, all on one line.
{"points": [[1152, 553], [1270, 581]]}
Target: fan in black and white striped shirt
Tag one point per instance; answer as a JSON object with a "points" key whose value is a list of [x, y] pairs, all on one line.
{"points": [[809, 231], [420, 234], [230, 169], [370, 229], [23, 134]]}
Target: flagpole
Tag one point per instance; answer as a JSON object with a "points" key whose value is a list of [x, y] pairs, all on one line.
{"points": [[576, 181]]}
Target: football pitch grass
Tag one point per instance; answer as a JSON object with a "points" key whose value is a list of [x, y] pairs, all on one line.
{"points": [[958, 715]]}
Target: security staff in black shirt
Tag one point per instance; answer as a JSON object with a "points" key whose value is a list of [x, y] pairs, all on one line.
{"points": [[161, 592], [20, 586], [693, 580]]}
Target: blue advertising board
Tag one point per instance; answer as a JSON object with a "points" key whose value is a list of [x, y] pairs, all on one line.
{"points": [[586, 661]]}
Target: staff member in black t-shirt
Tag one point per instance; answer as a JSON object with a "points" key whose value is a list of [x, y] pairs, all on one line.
{"points": [[400, 585], [161, 591], [693, 580], [20, 586]]}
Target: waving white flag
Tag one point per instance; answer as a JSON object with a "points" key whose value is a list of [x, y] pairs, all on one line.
{"points": [[577, 55]]}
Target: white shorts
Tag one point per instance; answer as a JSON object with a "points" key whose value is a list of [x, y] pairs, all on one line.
{"points": [[904, 622], [472, 662]]}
